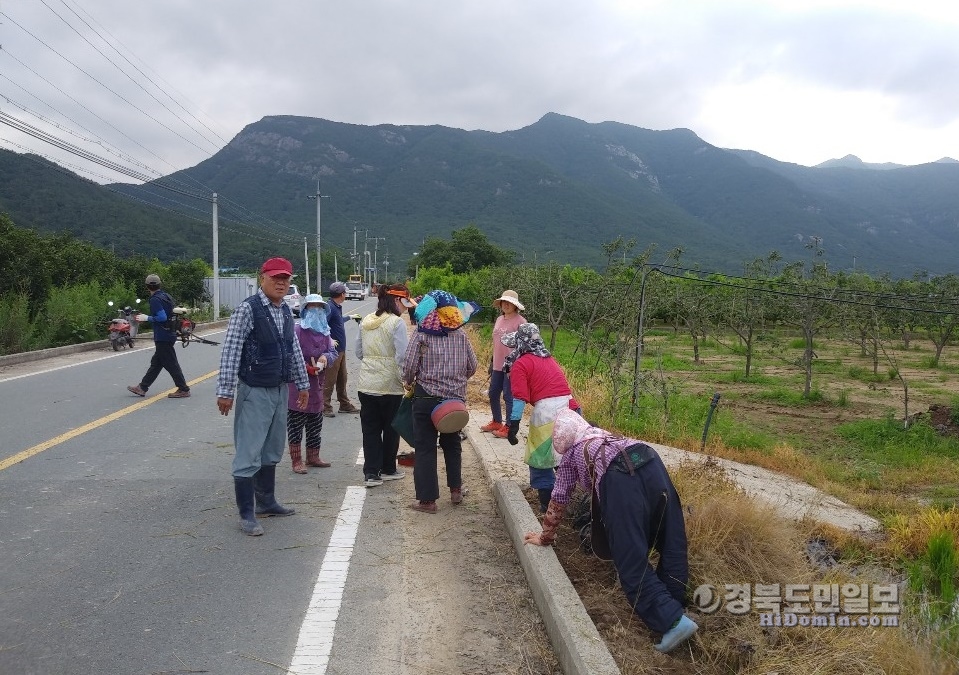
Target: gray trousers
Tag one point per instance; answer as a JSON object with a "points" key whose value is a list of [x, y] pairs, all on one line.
{"points": [[259, 427]]}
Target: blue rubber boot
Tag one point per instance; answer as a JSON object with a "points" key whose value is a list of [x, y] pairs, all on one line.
{"points": [[264, 483], [244, 502], [675, 636]]}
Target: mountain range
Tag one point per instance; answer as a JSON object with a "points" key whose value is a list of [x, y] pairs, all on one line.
{"points": [[557, 189]]}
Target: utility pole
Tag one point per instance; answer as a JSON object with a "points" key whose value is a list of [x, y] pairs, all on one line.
{"points": [[376, 246], [356, 261], [319, 250], [306, 257], [216, 261]]}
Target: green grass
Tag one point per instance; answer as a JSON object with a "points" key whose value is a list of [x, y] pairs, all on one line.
{"points": [[739, 377], [789, 397], [890, 445], [866, 375]]}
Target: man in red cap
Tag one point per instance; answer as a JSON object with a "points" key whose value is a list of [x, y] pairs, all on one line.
{"points": [[261, 355]]}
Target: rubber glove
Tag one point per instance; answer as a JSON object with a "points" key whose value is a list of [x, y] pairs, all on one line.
{"points": [[513, 430], [141, 318], [312, 370], [356, 317]]}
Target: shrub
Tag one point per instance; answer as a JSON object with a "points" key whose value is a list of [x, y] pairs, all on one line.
{"points": [[17, 333]]}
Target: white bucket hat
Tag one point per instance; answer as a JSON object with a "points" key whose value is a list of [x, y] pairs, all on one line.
{"points": [[511, 297]]}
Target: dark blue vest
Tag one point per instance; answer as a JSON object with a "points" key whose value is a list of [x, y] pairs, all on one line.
{"points": [[266, 361]]}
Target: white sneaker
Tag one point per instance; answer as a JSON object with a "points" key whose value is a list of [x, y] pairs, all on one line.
{"points": [[372, 480], [396, 475]]}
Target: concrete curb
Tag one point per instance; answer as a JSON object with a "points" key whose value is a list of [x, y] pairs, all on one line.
{"points": [[55, 352], [572, 633]]}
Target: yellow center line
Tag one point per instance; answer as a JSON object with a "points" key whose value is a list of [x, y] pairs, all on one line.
{"points": [[73, 433]]}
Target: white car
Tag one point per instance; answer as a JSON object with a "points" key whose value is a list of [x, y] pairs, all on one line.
{"points": [[355, 291], [293, 299]]}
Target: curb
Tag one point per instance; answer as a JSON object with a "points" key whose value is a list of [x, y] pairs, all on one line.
{"points": [[572, 633], [54, 352]]}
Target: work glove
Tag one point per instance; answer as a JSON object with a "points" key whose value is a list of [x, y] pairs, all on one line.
{"points": [[312, 370], [513, 430], [356, 317], [336, 343], [141, 318]]}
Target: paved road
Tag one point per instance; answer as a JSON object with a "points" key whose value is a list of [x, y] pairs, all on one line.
{"points": [[119, 545]]}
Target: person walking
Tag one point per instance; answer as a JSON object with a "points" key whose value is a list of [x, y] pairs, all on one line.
{"points": [[639, 510], [164, 341], [438, 363], [381, 347], [507, 322], [536, 378], [313, 336], [336, 373], [260, 356]]}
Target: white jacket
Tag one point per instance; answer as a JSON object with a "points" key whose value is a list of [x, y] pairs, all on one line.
{"points": [[381, 346]]}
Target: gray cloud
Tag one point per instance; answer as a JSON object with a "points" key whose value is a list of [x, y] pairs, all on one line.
{"points": [[493, 65]]}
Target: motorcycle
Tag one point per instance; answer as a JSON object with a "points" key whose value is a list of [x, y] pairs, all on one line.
{"points": [[122, 329]]}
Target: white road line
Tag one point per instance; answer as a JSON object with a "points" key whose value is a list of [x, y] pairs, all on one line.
{"points": [[360, 460], [315, 642]]}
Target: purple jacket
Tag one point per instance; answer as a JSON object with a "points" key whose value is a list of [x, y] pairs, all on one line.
{"points": [[314, 345]]}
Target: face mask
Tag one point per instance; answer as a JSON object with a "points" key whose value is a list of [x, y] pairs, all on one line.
{"points": [[314, 319]]}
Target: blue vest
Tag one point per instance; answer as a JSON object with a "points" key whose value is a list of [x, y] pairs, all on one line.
{"points": [[267, 359]]}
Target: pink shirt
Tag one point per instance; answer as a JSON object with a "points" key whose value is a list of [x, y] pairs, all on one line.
{"points": [[503, 326]]}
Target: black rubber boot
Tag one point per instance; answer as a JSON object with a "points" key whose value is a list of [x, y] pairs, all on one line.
{"points": [[264, 482], [244, 502], [544, 495]]}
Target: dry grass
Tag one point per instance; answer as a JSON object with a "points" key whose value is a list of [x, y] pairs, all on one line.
{"points": [[734, 539]]}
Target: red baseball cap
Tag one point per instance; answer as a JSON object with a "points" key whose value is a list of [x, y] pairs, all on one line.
{"points": [[274, 267]]}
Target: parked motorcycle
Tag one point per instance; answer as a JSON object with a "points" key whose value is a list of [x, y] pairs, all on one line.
{"points": [[122, 329]]}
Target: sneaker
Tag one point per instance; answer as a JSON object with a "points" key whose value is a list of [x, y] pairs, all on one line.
{"points": [[136, 390], [179, 393], [425, 507], [329, 413], [492, 426], [372, 480], [502, 432], [675, 636], [352, 409], [396, 475], [457, 494]]}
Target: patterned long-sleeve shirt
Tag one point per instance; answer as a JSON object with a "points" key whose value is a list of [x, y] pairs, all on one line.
{"points": [[442, 366], [239, 328], [572, 471]]}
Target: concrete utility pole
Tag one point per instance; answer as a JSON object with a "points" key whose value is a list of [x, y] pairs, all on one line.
{"points": [[356, 261], [319, 250], [306, 258], [376, 246], [216, 260]]}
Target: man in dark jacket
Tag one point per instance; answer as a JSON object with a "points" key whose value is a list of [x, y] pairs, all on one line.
{"points": [[336, 372], [261, 355], [164, 339]]}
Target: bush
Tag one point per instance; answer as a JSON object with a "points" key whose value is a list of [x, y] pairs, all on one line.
{"points": [[16, 330], [73, 315]]}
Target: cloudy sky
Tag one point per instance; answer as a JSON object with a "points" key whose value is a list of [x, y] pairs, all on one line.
{"points": [[168, 83]]}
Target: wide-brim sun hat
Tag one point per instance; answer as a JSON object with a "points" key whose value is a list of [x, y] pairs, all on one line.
{"points": [[314, 299], [512, 297]]}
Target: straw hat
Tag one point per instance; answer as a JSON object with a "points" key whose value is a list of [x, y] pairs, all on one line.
{"points": [[511, 297]]}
